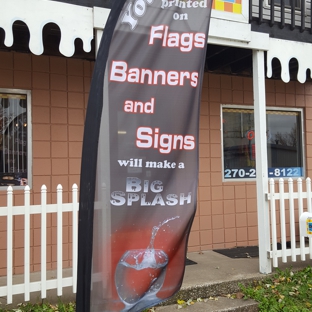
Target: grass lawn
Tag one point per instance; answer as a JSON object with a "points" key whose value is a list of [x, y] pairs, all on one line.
{"points": [[287, 291]]}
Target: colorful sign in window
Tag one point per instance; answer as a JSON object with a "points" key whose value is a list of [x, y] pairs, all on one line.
{"points": [[232, 6]]}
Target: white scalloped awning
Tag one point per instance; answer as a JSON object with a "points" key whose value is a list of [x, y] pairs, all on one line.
{"points": [[77, 22], [74, 22], [284, 51]]}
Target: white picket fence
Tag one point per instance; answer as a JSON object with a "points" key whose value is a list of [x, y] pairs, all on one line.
{"points": [[286, 207], [43, 210]]}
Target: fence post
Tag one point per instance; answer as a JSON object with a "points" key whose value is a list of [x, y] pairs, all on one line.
{"points": [[283, 219], [273, 223], [43, 241], [75, 236], [26, 242], [309, 198], [292, 219], [59, 245], [300, 212], [10, 245]]}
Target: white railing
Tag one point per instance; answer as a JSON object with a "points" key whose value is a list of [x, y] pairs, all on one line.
{"points": [[286, 207], [43, 209]]}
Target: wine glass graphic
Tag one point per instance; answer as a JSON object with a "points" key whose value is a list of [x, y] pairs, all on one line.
{"points": [[139, 275]]}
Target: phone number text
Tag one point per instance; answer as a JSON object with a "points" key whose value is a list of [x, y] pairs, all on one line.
{"points": [[246, 173]]}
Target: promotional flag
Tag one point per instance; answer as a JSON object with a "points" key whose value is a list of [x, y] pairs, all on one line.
{"points": [[140, 154]]}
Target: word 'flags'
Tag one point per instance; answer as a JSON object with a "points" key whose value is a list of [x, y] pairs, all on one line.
{"points": [[140, 154]]}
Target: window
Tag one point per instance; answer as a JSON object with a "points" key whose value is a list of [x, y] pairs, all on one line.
{"points": [[284, 143], [14, 137]]}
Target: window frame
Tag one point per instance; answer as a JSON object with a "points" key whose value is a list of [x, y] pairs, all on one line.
{"points": [[29, 136], [268, 108]]}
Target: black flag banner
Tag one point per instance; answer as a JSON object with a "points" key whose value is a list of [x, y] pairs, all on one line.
{"points": [[139, 169]]}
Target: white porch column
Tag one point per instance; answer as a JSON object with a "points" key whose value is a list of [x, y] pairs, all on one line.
{"points": [[265, 265]]}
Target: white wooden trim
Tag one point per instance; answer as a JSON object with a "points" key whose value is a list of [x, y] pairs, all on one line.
{"points": [[229, 30], [258, 41], [100, 16], [284, 51], [74, 21]]}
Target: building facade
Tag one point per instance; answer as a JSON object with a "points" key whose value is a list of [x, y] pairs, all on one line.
{"points": [[256, 78]]}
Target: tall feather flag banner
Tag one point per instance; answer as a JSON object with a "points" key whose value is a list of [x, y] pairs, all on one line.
{"points": [[139, 172]]}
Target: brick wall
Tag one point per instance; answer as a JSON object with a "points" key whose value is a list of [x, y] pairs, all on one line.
{"points": [[59, 89], [227, 212]]}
